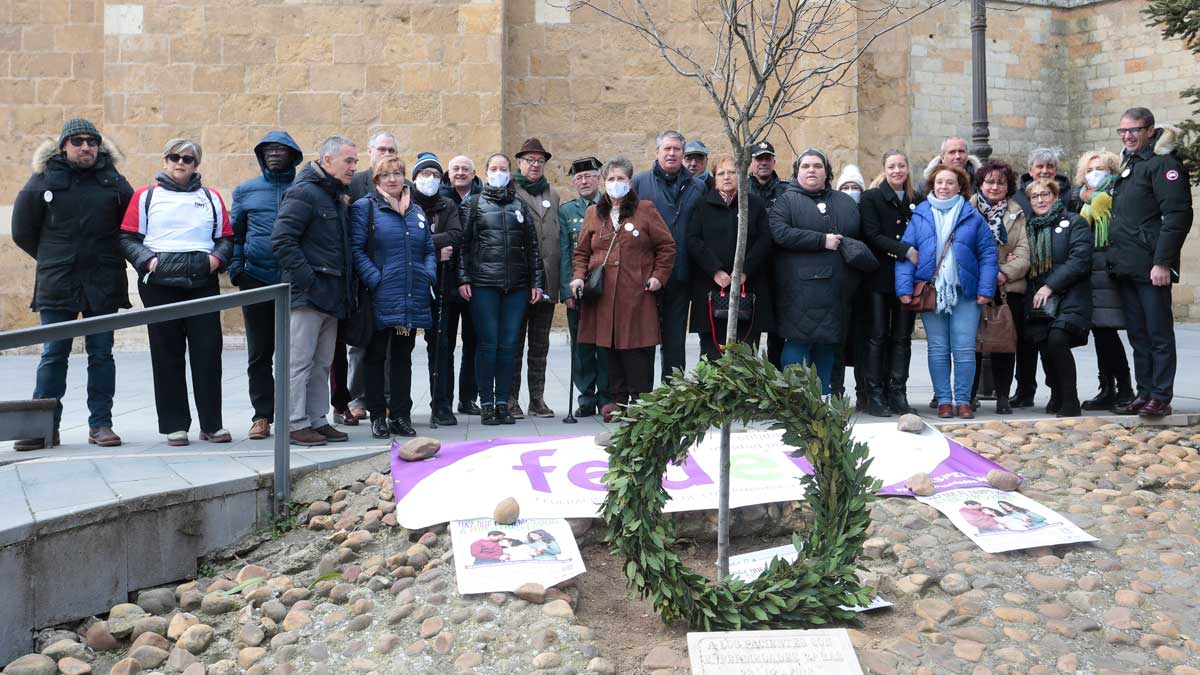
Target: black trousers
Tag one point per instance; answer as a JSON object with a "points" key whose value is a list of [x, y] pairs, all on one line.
{"points": [[339, 390], [1027, 363], [199, 337], [396, 350], [260, 351], [708, 346], [775, 350], [853, 349], [442, 392], [673, 322], [1110, 353], [1151, 328], [888, 348], [1004, 365], [630, 373], [1059, 365]]}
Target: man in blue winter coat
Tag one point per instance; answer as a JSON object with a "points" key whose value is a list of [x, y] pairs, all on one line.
{"points": [[255, 205], [674, 192]]}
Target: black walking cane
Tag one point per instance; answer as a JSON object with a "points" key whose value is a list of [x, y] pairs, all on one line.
{"points": [[437, 343], [570, 418]]}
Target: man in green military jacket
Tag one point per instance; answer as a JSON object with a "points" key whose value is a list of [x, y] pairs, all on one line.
{"points": [[591, 369]]}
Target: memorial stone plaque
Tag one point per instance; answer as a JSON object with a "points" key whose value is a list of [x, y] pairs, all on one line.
{"points": [[825, 651]]}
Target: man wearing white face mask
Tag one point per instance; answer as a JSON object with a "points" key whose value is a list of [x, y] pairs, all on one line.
{"points": [[446, 227]]}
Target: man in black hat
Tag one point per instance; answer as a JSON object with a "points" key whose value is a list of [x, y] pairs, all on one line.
{"points": [[590, 364], [542, 200], [68, 217], [765, 183]]}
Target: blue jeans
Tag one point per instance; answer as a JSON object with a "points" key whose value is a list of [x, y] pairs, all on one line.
{"points": [[498, 316], [952, 334], [808, 353], [51, 381]]}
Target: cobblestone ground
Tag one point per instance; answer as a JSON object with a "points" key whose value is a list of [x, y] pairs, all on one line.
{"points": [[350, 592]]}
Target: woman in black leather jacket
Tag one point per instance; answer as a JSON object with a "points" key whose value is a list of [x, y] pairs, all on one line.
{"points": [[177, 235], [499, 272]]}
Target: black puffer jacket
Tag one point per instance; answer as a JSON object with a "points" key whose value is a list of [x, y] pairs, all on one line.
{"points": [[1106, 301], [813, 285], [312, 242], [1069, 277], [1152, 210], [69, 220], [769, 191], [500, 243], [446, 227], [884, 217]]}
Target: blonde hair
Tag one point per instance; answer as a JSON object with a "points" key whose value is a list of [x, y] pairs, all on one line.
{"points": [[1110, 159], [910, 190], [383, 162], [1048, 183], [716, 163]]}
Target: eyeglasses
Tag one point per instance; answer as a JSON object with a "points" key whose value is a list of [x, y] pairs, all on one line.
{"points": [[1132, 130], [1038, 196], [391, 176], [186, 159], [534, 162], [91, 141], [996, 181]]}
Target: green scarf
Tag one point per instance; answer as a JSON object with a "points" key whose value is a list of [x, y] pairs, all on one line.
{"points": [[535, 187], [1039, 229], [1097, 210]]}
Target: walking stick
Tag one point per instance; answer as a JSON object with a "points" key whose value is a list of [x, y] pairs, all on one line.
{"points": [[570, 418], [437, 343]]}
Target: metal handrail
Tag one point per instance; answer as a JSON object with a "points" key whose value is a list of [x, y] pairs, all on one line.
{"points": [[277, 294]]}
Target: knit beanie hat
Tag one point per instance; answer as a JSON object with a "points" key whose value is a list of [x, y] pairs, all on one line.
{"points": [[426, 160], [851, 174], [76, 127]]}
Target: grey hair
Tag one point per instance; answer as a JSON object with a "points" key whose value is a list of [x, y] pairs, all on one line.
{"points": [[953, 138], [470, 162], [494, 155], [1045, 156], [378, 135], [181, 144], [664, 135], [619, 162], [333, 145]]}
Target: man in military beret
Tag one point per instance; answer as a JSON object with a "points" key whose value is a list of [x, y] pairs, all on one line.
{"points": [[591, 370]]}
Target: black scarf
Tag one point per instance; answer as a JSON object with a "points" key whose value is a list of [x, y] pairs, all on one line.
{"points": [[166, 182], [670, 181]]}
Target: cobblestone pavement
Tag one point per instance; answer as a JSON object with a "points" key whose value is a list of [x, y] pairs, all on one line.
{"points": [[351, 592]]}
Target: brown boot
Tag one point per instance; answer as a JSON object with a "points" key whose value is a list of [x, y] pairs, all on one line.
{"points": [[332, 435], [538, 408], [259, 430], [307, 437], [34, 444], [103, 437]]}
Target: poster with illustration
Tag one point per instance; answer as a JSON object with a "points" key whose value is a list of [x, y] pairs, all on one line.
{"points": [[747, 567], [490, 557], [999, 521]]}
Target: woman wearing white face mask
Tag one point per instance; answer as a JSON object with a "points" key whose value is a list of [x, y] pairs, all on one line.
{"points": [[627, 237], [499, 273], [1095, 174], [851, 182]]}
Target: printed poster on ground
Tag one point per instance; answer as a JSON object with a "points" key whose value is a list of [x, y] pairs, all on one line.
{"points": [[999, 521], [490, 557]]}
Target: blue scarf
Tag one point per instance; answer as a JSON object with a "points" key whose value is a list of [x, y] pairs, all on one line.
{"points": [[945, 216]]}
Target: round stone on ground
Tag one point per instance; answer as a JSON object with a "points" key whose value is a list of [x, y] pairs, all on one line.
{"points": [[419, 448], [507, 511], [32, 664]]}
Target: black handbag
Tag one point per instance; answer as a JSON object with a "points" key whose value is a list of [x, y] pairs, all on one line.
{"points": [[718, 304], [593, 281], [359, 328], [1047, 312]]}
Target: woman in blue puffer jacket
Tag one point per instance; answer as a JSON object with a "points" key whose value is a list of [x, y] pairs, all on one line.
{"points": [[965, 278], [394, 258]]}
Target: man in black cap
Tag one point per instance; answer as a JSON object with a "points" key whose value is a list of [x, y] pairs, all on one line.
{"points": [[765, 183], [542, 200], [590, 364], [68, 217]]}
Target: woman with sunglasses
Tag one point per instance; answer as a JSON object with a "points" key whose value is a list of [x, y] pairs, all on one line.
{"points": [[1059, 313], [177, 235]]}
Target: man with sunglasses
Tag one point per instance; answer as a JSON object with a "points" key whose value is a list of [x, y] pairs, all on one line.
{"points": [[1151, 217], [68, 217]]}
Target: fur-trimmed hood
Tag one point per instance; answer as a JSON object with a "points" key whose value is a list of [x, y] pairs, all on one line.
{"points": [[1168, 138], [49, 148], [974, 161]]}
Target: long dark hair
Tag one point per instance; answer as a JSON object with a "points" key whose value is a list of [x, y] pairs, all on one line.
{"points": [[546, 536]]}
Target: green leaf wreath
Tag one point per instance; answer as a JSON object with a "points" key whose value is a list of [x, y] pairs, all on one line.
{"points": [[662, 426]]}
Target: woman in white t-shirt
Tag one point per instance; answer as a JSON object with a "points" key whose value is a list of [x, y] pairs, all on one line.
{"points": [[177, 236]]}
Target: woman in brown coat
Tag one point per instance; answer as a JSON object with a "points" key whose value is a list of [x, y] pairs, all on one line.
{"points": [[629, 238]]}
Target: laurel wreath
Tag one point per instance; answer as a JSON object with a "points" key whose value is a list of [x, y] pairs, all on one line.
{"points": [[662, 426]]}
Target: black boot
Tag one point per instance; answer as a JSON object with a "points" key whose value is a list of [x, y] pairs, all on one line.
{"points": [[1105, 397], [1124, 393], [896, 389], [1003, 407], [1054, 404], [488, 415]]}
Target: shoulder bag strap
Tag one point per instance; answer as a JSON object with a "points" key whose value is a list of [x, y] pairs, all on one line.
{"points": [[937, 268]]}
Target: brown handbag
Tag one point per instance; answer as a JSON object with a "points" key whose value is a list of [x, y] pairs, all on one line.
{"points": [[997, 333], [924, 295]]}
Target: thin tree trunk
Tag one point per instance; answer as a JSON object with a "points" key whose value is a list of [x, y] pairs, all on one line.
{"points": [[731, 336]]}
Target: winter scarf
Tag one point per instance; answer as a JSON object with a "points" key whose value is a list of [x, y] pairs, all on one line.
{"points": [[1040, 237], [994, 215], [1097, 209], [533, 187], [945, 217], [165, 181], [670, 180]]}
